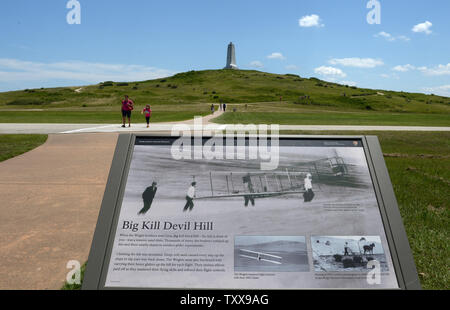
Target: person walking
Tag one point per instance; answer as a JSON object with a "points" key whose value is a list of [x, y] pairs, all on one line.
{"points": [[127, 107], [147, 196], [308, 195], [346, 249], [190, 197], [248, 198], [147, 113], [212, 108], [224, 107]]}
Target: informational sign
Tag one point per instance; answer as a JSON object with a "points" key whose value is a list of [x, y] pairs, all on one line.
{"points": [[318, 216]]}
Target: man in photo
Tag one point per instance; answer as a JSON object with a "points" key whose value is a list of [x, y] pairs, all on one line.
{"points": [[346, 249], [190, 197], [148, 196], [248, 180], [309, 194]]}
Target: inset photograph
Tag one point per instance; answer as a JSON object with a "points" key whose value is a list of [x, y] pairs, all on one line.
{"points": [[270, 254], [347, 253]]}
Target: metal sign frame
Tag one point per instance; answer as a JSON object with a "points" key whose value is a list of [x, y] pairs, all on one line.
{"points": [[102, 243]]}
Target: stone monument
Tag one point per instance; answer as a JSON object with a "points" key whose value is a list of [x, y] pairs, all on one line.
{"points": [[231, 57]]}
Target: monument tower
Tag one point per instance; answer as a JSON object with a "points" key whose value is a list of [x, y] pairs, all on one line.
{"points": [[231, 57]]}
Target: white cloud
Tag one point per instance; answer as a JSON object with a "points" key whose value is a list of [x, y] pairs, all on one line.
{"points": [[256, 64], [404, 38], [291, 67], [390, 37], [357, 62], [437, 70], [330, 72], [349, 83], [390, 76], [385, 35], [404, 68], [88, 72], [423, 27], [276, 56], [443, 90], [312, 20]]}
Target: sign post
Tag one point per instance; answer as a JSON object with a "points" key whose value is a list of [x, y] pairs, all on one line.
{"points": [[325, 217]]}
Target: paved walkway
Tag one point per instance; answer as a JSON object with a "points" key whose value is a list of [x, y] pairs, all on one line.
{"points": [[50, 199], [166, 127]]}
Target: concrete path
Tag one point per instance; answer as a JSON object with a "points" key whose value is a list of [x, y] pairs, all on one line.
{"points": [[15, 128], [50, 199], [166, 127]]}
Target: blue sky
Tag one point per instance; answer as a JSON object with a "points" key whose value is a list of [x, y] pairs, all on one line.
{"points": [[144, 39]]}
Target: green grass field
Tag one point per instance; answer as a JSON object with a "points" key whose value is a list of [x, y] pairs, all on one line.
{"points": [[271, 98], [15, 145], [333, 118], [92, 117]]}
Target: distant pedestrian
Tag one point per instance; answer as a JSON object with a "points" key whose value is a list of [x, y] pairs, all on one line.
{"points": [[212, 108], [308, 195], [127, 107], [147, 196], [190, 197], [224, 107], [147, 113]]}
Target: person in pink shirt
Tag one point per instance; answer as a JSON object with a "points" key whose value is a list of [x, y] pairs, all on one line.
{"points": [[127, 107], [147, 113]]}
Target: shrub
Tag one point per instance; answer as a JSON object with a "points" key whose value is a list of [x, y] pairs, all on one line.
{"points": [[216, 97], [357, 259], [337, 258], [162, 81], [174, 86], [135, 88], [348, 263], [157, 85], [122, 84], [26, 102]]}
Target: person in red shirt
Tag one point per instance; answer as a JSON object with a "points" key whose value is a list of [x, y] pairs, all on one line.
{"points": [[127, 107], [147, 113]]}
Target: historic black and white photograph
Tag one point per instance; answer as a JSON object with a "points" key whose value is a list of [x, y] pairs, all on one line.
{"points": [[270, 253], [347, 253], [317, 181]]}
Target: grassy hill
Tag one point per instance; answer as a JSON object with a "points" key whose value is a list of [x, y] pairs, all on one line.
{"points": [[252, 94]]}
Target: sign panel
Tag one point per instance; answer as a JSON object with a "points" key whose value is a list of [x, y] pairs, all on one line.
{"points": [[314, 219]]}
